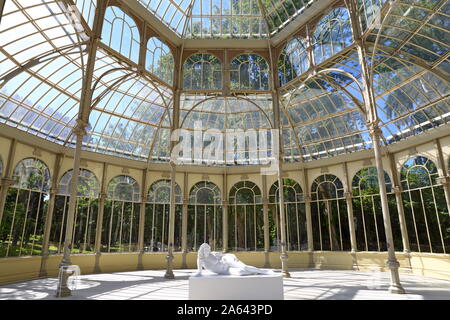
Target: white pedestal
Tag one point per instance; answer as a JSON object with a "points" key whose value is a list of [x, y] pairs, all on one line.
{"points": [[218, 287]]}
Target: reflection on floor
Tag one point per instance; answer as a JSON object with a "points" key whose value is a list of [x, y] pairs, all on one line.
{"points": [[304, 284]]}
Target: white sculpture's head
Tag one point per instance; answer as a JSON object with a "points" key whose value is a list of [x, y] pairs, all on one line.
{"points": [[204, 251]]}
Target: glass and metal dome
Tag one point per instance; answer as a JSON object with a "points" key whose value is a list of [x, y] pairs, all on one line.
{"points": [[135, 74], [131, 104]]}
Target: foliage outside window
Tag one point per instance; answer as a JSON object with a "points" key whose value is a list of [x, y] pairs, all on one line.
{"points": [[159, 60], [22, 226], [329, 214], [204, 216], [157, 211], [202, 71], [295, 218], [86, 210], [333, 34], [293, 60], [249, 72], [246, 222], [368, 214], [427, 219], [121, 217]]}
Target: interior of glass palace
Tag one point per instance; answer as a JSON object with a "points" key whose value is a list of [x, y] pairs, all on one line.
{"points": [[295, 134]]}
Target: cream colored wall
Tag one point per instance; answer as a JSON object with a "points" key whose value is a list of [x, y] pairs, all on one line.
{"points": [[153, 176], [4, 152], [217, 179], [426, 264], [427, 150], [114, 171], [445, 146], [95, 167]]}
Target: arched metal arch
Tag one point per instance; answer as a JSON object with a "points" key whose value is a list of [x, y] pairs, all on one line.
{"points": [[45, 57], [223, 96]]}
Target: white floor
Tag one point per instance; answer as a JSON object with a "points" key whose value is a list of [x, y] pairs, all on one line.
{"points": [[304, 284]]}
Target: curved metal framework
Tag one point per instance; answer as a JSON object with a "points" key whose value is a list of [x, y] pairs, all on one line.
{"points": [[43, 73]]}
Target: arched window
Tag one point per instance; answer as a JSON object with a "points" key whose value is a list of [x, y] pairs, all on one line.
{"points": [[246, 222], [333, 33], [293, 60], [249, 72], [205, 216], [120, 32], [367, 212], [86, 210], [124, 188], [202, 71], [32, 174], [329, 214], [88, 185], [22, 226], [121, 217], [427, 219], [157, 213], [294, 210], [159, 60]]}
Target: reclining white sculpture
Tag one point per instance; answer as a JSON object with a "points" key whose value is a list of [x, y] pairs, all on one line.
{"points": [[223, 263]]}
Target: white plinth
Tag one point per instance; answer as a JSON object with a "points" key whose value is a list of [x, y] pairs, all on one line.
{"points": [[218, 287]]}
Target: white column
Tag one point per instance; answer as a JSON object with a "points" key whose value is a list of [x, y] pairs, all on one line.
{"points": [[397, 189], [284, 256], [169, 272], [225, 213], [351, 221], [184, 222], [49, 215], [444, 178], [63, 290], [140, 265], [265, 202], [392, 263], [7, 181]]}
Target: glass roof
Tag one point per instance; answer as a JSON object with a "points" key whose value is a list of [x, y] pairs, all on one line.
{"points": [[44, 56], [228, 19]]}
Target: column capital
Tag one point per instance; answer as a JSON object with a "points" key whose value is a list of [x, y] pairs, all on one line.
{"points": [[7, 182], [444, 181], [185, 202], [225, 203], [397, 189], [307, 197], [80, 128], [53, 191], [144, 199], [348, 195], [102, 196], [265, 201], [374, 129]]}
